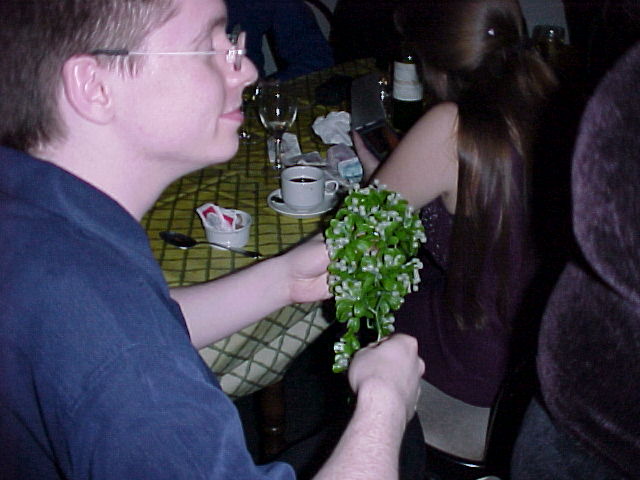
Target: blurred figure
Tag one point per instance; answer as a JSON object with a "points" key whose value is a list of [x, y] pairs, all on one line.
{"points": [[298, 45], [364, 29], [586, 423]]}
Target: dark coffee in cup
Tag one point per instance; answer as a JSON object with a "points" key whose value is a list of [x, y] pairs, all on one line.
{"points": [[303, 180]]}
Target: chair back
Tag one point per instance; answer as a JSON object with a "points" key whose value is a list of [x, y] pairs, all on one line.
{"points": [[479, 441]]}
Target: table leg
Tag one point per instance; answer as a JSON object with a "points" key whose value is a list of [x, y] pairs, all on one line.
{"points": [[272, 419]]}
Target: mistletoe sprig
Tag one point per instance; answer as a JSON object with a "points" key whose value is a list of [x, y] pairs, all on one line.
{"points": [[372, 243]]}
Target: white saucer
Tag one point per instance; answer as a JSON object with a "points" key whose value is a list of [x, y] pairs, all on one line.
{"points": [[284, 209]]}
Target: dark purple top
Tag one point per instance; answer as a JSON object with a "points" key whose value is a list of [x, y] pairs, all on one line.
{"points": [[468, 364]]}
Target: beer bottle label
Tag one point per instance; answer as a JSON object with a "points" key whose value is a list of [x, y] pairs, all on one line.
{"points": [[406, 86]]}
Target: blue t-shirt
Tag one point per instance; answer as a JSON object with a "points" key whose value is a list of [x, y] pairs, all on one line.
{"points": [[98, 377]]}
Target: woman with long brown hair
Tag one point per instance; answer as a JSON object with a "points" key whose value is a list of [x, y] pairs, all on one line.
{"points": [[466, 165]]}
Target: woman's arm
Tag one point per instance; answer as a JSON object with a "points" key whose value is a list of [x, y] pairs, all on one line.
{"points": [[216, 309], [424, 165]]}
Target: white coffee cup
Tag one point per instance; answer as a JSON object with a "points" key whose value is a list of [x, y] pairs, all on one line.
{"points": [[304, 187]]}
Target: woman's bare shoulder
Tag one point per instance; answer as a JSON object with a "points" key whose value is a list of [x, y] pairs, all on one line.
{"points": [[436, 129], [424, 165], [443, 115]]}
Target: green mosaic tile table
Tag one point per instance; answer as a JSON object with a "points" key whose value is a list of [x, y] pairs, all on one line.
{"points": [[259, 355]]}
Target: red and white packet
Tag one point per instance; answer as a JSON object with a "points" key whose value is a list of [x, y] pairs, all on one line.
{"points": [[222, 219]]}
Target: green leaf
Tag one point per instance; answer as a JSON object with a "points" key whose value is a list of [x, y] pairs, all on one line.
{"points": [[395, 302], [389, 283], [343, 309], [383, 307], [359, 308]]}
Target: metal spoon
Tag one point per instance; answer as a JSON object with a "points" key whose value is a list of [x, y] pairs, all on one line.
{"points": [[183, 241]]}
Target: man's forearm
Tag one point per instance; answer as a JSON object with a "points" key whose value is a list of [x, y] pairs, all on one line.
{"points": [[370, 446], [217, 309]]}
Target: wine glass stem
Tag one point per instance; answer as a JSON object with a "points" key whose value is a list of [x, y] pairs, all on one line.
{"points": [[243, 133], [278, 153]]}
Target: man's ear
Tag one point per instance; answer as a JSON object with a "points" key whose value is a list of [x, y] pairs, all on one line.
{"points": [[86, 88]]}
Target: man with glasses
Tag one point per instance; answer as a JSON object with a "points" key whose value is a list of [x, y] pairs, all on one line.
{"points": [[103, 104]]}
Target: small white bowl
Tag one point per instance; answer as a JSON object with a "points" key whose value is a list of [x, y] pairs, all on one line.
{"points": [[237, 238]]}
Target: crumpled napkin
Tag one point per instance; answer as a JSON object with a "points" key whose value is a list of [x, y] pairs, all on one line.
{"points": [[311, 158], [334, 128], [290, 147]]}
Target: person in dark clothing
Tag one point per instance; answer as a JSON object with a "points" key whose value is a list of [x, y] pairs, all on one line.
{"points": [[299, 47], [466, 165], [364, 29], [489, 88]]}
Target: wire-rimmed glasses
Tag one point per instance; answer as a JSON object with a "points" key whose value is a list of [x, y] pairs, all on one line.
{"points": [[233, 55]]}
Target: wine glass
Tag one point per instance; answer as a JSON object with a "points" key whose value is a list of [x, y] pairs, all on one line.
{"points": [[278, 111], [243, 133], [249, 98], [248, 94]]}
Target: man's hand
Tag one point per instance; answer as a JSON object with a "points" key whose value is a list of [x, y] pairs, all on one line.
{"points": [[386, 377], [392, 368], [307, 271]]}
